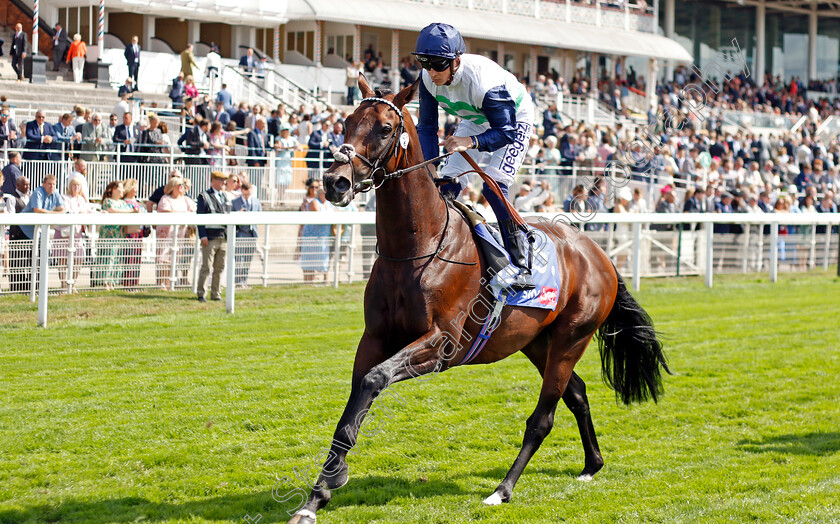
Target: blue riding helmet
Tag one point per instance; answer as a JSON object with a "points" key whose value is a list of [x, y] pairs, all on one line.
{"points": [[440, 40]]}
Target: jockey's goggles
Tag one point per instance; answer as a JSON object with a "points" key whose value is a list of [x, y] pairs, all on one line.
{"points": [[434, 62]]}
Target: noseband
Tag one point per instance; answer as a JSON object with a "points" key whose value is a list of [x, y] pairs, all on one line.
{"points": [[346, 153]]}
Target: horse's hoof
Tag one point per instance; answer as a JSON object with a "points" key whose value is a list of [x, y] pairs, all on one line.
{"points": [[585, 477], [493, 500], [303, 517]]}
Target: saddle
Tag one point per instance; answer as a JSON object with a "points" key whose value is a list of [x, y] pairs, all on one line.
{"points": [[544, 270]]}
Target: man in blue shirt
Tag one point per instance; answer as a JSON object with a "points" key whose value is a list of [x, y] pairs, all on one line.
{"points": [[45, 199], [225, 97]]}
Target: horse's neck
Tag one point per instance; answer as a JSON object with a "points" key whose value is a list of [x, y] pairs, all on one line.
{"points": [[410, 212]]}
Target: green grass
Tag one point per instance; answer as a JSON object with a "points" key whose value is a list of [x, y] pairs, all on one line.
{"points": [[153, 407]]}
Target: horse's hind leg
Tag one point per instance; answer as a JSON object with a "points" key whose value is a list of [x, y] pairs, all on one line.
{"points": [[578, 404], [556, 373]]}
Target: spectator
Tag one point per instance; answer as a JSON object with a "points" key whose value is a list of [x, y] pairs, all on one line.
{"points": [[18, 51], [176, 92], [188, 62], [39, 138], [65, 134], [60, 44], [96, 139], [697, 203], [126, 135], [190, 89], [221, 115], [76, 57], [45, 199], [233, 185], [638, 204], [569, 153], [80, 174], [551, 118], [156, 196], [174, 200], [248, 63], [529, 199], [132, 59], [127, 88], [151, 141], [314, 239], [257, 144], [213, 67], [225, 98], [77, 203], [238, 117], [195, 143], [576, 202], [352, 82], [213, 243], [9, 134], [110, 246], [246, 235], [19, 261], [11, 173], [285, 147], [318, 149], [134, 238], [122, 107]]}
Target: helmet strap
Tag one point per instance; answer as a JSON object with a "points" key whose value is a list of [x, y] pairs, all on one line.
{"points": [[452, 70]]}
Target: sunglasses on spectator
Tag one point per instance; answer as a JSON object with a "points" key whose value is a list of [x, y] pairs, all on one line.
{"points": [[431, 62]]}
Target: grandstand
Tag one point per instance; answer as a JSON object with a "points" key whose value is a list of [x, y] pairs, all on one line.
{"points": [[667, 97]]}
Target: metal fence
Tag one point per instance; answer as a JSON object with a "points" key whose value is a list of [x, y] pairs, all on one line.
{"points": [[280, 181], [340, 248]]}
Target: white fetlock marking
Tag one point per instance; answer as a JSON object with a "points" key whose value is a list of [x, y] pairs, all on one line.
{"points": [[493, 500], [585, 478], [308, 514]]}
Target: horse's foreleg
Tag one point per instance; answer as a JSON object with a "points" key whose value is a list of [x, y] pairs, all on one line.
{"points": [[416, 359], [578, 404]]}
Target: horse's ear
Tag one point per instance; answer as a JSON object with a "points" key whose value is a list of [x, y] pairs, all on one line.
{"points": [[364, 87], [405, 96]]}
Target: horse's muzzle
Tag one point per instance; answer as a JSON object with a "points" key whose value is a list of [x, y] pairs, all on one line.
{"points": [[339, 186]]}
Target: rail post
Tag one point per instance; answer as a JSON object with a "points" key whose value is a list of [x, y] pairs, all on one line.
{"points": [[43, 282], [173, 259], [337, 254], [231, 268], [33, 274], [774, 251], [710, 259], [637, 256], [71, 256]]}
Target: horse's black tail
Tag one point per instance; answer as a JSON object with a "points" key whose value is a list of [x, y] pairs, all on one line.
{"points": [[630, 352]]}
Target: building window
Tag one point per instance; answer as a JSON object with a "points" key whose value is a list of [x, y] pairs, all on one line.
{"points": [[79, 20], [302, 42]]}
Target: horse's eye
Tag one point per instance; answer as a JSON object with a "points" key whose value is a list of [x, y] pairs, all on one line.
{"points": [[386, 129]]}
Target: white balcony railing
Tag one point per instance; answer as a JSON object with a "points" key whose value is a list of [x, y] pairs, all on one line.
{"points": [[617, 14]]}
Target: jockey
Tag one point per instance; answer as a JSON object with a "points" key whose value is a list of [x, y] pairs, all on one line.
{"points": [[496, 115]]}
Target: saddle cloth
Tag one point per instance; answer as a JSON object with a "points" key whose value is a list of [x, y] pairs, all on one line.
{"points": [[544, 268]]}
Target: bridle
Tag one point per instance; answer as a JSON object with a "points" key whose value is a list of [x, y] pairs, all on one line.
{"points": [[346, 152]]}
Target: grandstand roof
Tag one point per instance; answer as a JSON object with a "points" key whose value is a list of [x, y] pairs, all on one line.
{"points": [[412, 16]]}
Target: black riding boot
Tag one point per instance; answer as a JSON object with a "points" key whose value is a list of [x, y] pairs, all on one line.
{"points": [[520, 255]]}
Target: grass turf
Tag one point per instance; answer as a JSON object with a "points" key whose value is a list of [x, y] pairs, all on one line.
{"points": [[153, 407]]}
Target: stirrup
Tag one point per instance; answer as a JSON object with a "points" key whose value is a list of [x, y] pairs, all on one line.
{"points": [[524, 281]]}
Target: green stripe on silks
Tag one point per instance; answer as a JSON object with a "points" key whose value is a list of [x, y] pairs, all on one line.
{"points": [[468, 111], [462, 110]]}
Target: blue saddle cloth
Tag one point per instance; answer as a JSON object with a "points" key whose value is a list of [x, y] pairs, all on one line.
{"points": [[544, 268]]}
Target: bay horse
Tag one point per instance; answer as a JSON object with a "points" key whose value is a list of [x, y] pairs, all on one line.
{"points": [[428, 272]]}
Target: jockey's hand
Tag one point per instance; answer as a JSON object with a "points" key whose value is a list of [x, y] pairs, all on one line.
{"points": [[456, 144]]}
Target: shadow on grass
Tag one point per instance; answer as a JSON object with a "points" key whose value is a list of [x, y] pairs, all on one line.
{"points": [[819, 443], [499, 473], [364, 491]]}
